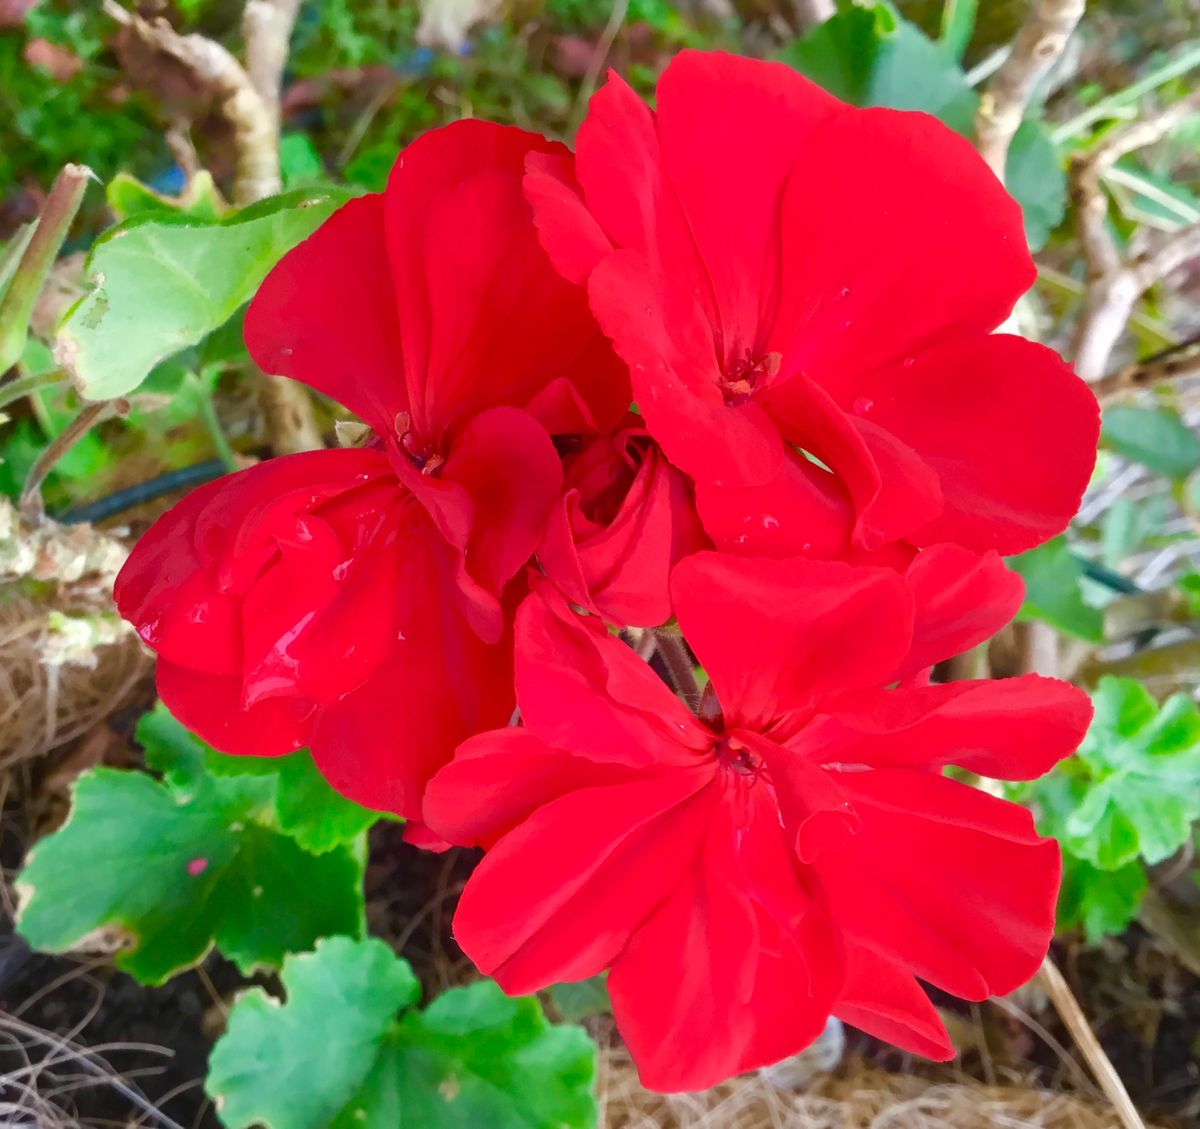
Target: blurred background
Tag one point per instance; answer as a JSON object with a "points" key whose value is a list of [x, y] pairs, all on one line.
{"points": [[1106, 165]]}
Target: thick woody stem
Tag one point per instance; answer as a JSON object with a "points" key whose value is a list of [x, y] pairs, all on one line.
{"points": [[1113, 285], [1038, 45]]}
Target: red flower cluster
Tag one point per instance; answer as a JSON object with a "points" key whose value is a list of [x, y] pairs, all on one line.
{"points": [[798, 298]]}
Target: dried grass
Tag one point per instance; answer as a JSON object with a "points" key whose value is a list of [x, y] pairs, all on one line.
{"points": [[67, 661], [861, 1097]]}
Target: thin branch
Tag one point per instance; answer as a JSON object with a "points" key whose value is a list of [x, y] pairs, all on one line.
{"points": [[1114, 285], [267, 30], [24, 386], [1176, 363], [1037, 47], [1075, 1021]]}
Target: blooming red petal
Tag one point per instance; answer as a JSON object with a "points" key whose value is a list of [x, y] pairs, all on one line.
{"points": [[498, 779], [1008, 729], [731, 130], [532, 916], [802, 511], [962, 598], [777, 636], [571, 235], [439, 684], [1011, 475], [587, 692], [904, 182], [212, 707], [944, 881], [662, 335], [887, 1002], [326, 315], [754, 963]]}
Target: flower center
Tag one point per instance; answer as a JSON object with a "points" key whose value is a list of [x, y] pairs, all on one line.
{"points": [[737, 758], [745, 375], [422, 454]]}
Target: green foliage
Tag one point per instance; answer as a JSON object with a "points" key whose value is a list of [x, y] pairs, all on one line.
{"points": [[580, 999], [868, 54], [1127, 799], [201, 858], [1155, 437], [163, 283], [128, 198], [1100, 902], [1053, 591], [473, 1058]]}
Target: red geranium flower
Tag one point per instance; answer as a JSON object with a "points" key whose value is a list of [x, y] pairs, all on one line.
{"points": [[787, 277], [795, 853], [353, 600], [625, 518]]}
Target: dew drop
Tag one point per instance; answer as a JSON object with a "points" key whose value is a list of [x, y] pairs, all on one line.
{"points": [[909, 362], [769, 522], [863, 405]]}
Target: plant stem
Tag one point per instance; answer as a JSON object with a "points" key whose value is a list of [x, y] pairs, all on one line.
{"points": [[212, 424], [31, 495], [26, 385], [16, 307], [679, 665]]}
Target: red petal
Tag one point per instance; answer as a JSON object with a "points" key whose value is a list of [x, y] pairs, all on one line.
{"points": [[486, 319], [326, 315], [802, 511], [956, 256], [961, 598], [557, 898], [887, 1002], [587, 692], [500, 778], [211, 706], [665, 339], [777, 636], [1008, 729], [731, 130], [508, 466], [944, 881], [439, 684], [570, 233], [736, 969], [1008, 427]]}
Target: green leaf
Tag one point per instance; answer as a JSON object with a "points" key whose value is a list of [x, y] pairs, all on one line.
{"points": [[173, 868], [1147, 198], [1155, 437], [958, 25], [128, 198], [1133, 789], [311, 812], [870, 56], [163, 284], [1053, 593], [580, 999], [299, 161], [1034, 174], [1102, 902], [302, 803], [473, 1058], [13, 250]]}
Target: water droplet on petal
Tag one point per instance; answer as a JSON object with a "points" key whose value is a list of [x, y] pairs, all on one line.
{"points": [[769, 522], [863, 405]]}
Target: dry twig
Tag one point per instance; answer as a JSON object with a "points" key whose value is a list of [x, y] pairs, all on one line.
{"points": [[1038, 45], [1076, 1022], [248, 100], [1113, 284], [1175, 363]]}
